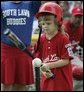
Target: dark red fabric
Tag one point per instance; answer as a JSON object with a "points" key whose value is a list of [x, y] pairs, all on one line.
{"points": [[16, 66]]}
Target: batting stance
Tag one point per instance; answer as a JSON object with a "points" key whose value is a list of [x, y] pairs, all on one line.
{"points": [[16, 66], [55, 50]]}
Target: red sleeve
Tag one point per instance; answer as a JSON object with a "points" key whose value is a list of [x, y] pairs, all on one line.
{"points": [[66, 52]]}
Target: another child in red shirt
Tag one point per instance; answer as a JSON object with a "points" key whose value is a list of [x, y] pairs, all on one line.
{"points": [[74, 27], [55, 50]]}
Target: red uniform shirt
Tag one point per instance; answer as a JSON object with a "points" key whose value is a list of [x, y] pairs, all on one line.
{"points": [[52, 50], [75, 36]]}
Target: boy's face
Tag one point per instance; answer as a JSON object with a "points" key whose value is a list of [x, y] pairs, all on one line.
{"points": [[48, 23]]}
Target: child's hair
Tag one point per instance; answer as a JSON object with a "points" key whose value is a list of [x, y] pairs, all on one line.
{"points": [[60, 28]]}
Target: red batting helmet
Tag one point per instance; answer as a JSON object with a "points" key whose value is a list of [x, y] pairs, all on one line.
{"points": [[77, 10], [52, 8], [77, 72]]}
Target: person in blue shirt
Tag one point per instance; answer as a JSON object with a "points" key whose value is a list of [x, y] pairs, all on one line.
{"points": [[16, 66]]}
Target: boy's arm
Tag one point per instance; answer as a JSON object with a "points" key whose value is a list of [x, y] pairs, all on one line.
{"points": [[57, 64]]}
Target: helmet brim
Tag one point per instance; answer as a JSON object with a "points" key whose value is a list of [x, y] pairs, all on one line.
{"points": [[77, 14], [42, 13]]}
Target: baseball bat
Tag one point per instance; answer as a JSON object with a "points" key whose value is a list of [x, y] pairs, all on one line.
{"points": [[38, 42], [17, 42]]}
